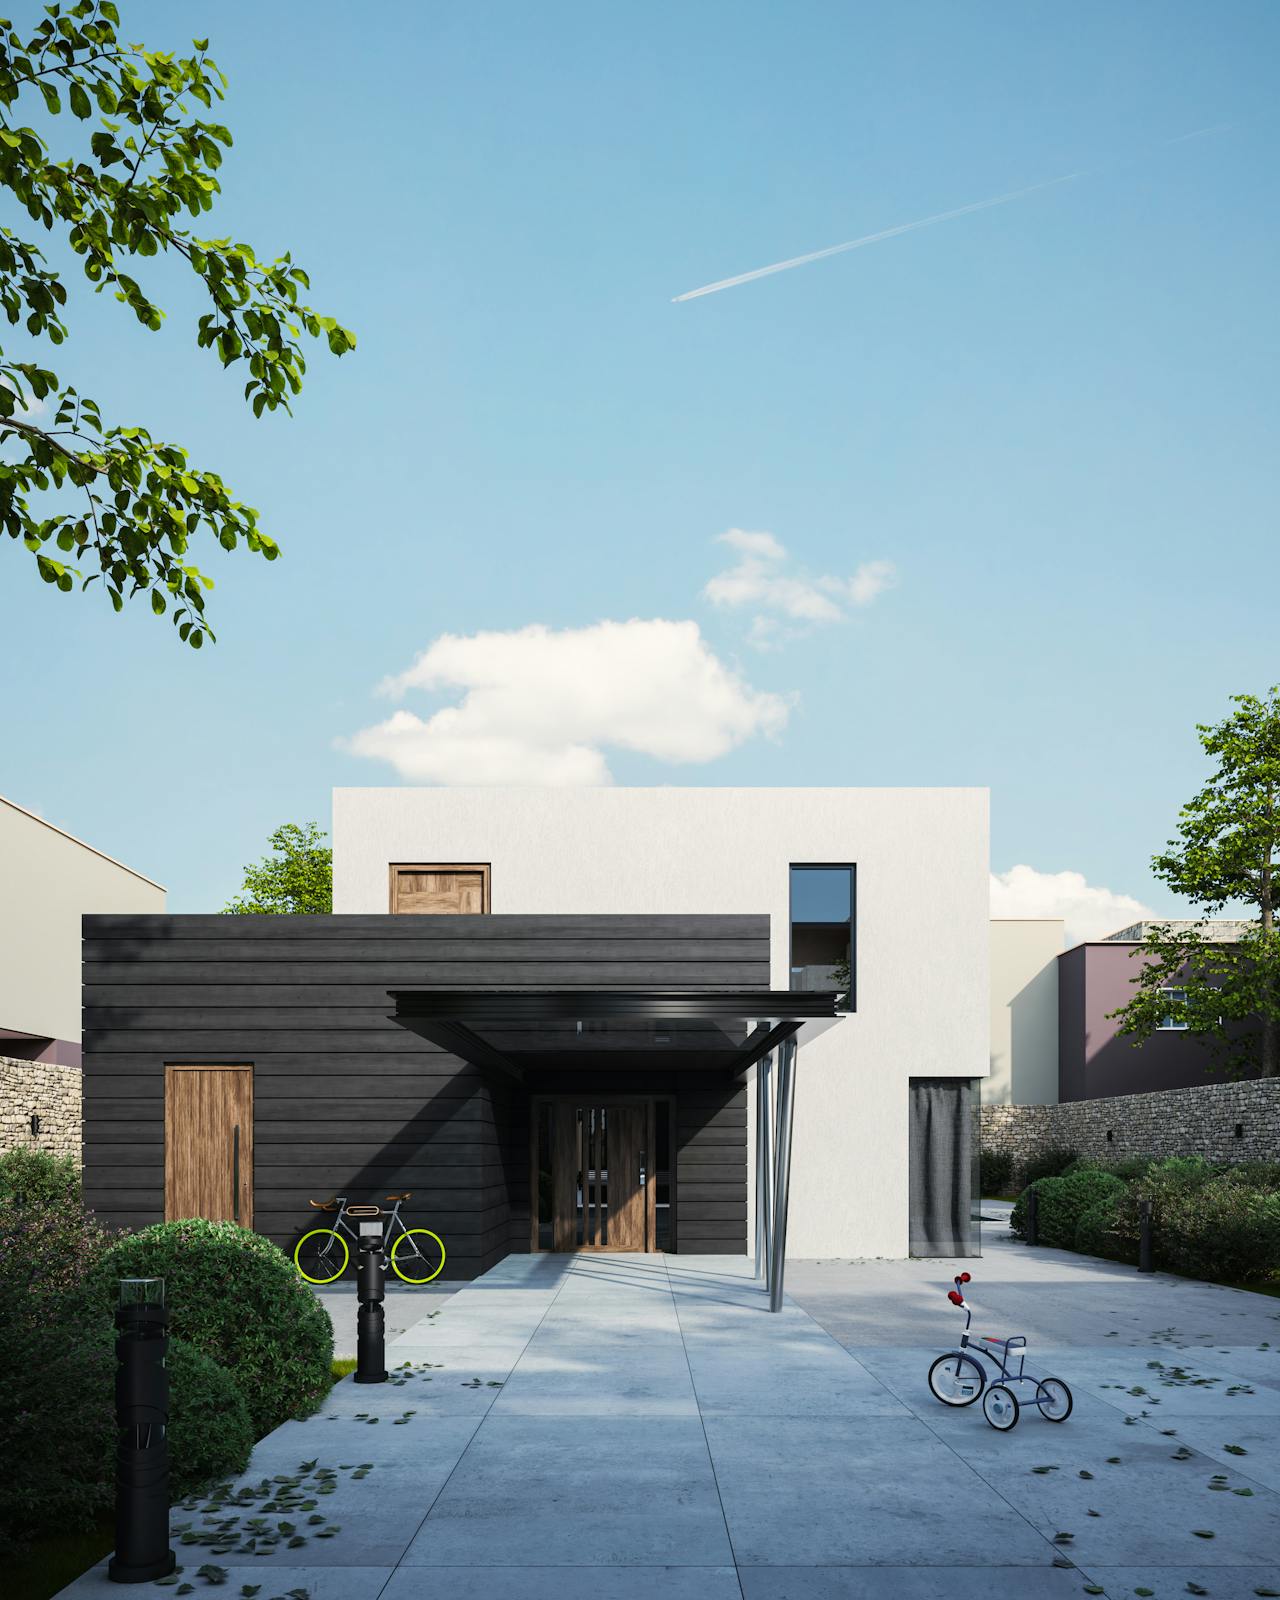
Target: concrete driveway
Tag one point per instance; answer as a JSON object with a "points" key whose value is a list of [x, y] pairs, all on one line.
{"points": [[609, 1427]]}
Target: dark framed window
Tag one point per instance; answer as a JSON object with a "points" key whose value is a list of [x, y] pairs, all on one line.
{"points": [[824, 928]]}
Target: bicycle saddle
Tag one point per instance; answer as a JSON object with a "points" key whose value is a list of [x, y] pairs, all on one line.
{"points": [[393, 1198], [323, 1205]]}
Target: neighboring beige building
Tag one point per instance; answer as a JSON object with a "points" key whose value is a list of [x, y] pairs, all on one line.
{"points": [[48, 880], [1024, 1011]]}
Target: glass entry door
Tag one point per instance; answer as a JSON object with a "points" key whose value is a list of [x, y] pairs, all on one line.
{"points": [[595, 1185]]}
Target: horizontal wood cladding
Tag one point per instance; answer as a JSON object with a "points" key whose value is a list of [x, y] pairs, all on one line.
{"points": [[348, 1102]]}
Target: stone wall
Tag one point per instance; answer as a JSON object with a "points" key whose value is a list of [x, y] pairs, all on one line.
{"points": [[53, 1094], [1200, 1121]]}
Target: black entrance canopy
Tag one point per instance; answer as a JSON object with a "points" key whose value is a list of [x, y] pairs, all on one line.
{"points": [[516, 1030], [730, 1031]]}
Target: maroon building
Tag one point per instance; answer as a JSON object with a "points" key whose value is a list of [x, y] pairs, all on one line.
{"points": [[1095, 1060]]}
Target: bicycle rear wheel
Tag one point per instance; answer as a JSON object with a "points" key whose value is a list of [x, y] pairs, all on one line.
{"points": [[417, 1256], [1054, 1399], [321, 1256]]}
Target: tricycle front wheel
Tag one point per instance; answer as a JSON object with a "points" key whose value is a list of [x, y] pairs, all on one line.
{"points": [[1000, 1407], [956, 1379]]}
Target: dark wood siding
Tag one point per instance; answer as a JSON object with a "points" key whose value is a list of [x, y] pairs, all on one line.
{"points": [[346, 1101]]}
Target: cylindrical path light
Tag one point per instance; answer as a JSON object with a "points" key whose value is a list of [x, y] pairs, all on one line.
{"points": [[371, 1289], [142, 1551]]}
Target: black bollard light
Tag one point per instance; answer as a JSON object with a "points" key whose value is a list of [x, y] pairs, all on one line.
{"points": [[371, 1288], [1146, 1252], [1033, 1217], [142, 1447]]}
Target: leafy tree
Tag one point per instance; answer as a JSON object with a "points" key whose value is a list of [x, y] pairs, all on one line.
{"points": [[1227, 851], [297, 879], [109, 495]]}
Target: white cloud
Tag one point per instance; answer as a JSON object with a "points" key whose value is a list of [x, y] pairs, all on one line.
{"points": [[1090, 912], [540, 706], [758, 578]]}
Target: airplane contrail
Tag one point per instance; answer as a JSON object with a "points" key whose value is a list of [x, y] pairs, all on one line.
{"points": [[910, 227]]}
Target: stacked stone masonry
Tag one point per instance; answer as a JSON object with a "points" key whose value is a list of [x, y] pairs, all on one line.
{"points": [[51, 1093], [1221, 1121]]}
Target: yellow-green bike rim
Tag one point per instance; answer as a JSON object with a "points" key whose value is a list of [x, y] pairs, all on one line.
{"points": [[426, 1234], [297, 1254]]}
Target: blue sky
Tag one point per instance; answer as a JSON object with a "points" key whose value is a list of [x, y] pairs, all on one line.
{"points": [[1054, 420]]}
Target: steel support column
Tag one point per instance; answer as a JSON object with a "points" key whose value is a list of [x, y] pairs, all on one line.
{"points": [[762, 1165], [782, 1168]]}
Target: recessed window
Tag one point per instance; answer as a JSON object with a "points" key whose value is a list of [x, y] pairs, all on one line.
{"points": [[822, 930], [1173, 1021], [439, 889]]}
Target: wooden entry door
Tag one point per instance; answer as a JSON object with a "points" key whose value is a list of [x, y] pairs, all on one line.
{"points": [[602, 1176], [208, 1143]]}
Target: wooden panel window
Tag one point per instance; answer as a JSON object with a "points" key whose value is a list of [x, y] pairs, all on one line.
{"points": [[439, 889]]}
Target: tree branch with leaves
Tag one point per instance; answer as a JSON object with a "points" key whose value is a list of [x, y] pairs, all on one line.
{"points": [[296, 881], [79, 493], [1227, 852]]}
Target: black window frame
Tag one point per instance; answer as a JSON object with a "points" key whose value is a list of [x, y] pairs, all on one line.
{"points": [[851, 867]]}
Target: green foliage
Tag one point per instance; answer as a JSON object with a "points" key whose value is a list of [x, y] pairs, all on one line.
{"points": [[1062, 1203], [1210, 1220], [1051, 1162], [210, 1431], [1227, 852], [298, 879], [34, 1178], [57, 1386], [1097, 1230], [117, 497], [236, 1297], [995, 1171]]}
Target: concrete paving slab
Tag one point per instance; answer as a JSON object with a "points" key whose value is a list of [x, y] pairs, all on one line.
{"points": [[865, 1491], [569, 1491], [1223, 1583], [567, 1583], [909, 1583], [321, 1583]]}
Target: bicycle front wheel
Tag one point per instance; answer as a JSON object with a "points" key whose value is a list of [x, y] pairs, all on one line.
{"points": [[417, 1256], [321, 1255], [956, 1379]]}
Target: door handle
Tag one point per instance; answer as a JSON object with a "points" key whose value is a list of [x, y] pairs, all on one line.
{"points": [[235, 1173]]}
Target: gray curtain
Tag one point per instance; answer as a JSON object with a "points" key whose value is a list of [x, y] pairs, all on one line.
{"points": [[943, 1154]]}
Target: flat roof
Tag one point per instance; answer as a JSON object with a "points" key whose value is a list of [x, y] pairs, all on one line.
{"points": [[522, 1030]]}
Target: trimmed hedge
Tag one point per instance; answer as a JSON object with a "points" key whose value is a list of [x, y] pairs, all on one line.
{"points": [[34, 1178], [236, 1297], [1213, 1221], [995, 1171], [1050, 1162], [1062, 1202], [210, 1432]]}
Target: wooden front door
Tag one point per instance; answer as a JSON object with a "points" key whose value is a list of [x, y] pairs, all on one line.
{"points": [[208, 1143], [602, 1188]]}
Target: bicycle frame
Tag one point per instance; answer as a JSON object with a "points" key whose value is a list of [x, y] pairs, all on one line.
{"points": [[340, 1221]]}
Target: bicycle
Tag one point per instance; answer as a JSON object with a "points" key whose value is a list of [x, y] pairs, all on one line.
{"points": [[321, 1255], [958, 1378]]}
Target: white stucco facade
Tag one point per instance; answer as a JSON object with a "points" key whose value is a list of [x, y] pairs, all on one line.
{"points": [[922, 935], [48, 880], [1024, 1011]]}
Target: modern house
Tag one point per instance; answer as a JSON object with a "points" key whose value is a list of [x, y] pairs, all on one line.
{"points": [[549, 1013], [48, 880], [1095, 1060]]}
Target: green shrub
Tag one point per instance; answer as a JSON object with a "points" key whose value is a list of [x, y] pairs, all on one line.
{"points": [[210, 1432], [1263, 1175], [1051, 1162], [1062, 1202], [1208, 1221], [57, 1401], [995, 1172], [1097, 1232], [57, 1376], [236, 1297], [34, 1178]]}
